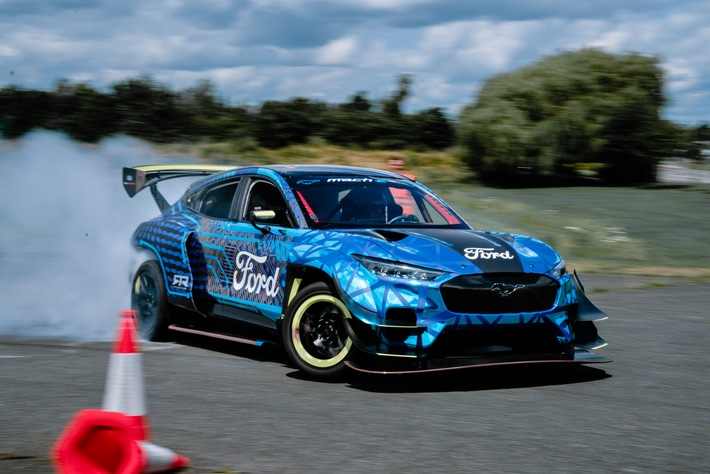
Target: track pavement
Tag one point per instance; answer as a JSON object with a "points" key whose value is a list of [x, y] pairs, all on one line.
{"points": [[243, 409]]}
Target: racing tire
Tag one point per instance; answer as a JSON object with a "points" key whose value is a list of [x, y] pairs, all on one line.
{"points": [[148, 299], [314, 333]]}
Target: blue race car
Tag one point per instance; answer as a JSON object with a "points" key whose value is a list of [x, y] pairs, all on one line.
{"points": [[349, 267]]}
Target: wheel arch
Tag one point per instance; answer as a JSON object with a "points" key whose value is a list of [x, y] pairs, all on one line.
{"points": [[139, 255], [299, 277], [149, 300]]}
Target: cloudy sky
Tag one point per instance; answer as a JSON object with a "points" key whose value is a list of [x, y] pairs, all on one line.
{"points": [[256, 50]]}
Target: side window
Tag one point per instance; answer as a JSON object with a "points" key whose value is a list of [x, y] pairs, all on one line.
{"points": [[264, 196], [217, 201], [192, 201]]}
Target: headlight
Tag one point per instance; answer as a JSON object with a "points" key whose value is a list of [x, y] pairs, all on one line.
{"points": [[559, 270], [388, 268]]}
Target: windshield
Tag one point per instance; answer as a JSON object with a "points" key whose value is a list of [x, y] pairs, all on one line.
{"points": [[367, 202]]}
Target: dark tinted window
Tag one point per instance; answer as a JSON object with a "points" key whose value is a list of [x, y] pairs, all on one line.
{"points": [[264, 196], [217, 202]]}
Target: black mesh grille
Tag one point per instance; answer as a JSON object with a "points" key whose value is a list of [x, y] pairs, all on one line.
{"points": [[496, 341], [500, 293]]}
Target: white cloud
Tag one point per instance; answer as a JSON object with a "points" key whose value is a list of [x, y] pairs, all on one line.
{"points": [[680, 77], [611, 40], [256, 50], [476, 48], [339, 51], [8, 51], [494, 45], [386, 4]]}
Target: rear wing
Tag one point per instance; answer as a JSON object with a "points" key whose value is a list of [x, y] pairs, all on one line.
{"points": [[138, 178]]}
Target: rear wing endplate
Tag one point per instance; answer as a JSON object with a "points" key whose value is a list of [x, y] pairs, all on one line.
{"points": [[148, 176]]}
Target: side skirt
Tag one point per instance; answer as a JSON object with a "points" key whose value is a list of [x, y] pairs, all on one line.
{"points": [[222, 336]]}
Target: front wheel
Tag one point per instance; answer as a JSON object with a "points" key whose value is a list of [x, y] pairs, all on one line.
{"points": [[148, 298], [314, 332]]}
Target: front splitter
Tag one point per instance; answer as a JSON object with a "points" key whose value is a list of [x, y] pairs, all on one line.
{"points": [[581, 356]]}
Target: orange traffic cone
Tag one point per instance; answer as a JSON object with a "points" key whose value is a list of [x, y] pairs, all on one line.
{"points": [[114, 440], [124, 391], [98, 442]]}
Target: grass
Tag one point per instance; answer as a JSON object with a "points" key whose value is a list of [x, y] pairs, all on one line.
{"points": [[654, 230], [620, 230]]}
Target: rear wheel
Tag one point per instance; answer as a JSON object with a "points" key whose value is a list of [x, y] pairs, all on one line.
{"points": [[148, 298], [314, 332]]}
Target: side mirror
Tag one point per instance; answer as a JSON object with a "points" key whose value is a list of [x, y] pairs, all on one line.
{"points": [[261, 216]]}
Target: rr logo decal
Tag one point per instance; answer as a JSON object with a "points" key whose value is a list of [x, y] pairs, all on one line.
{"points": [[182, 281]]}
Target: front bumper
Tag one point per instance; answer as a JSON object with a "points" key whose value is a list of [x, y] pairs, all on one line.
{"points": [[409, 324]]}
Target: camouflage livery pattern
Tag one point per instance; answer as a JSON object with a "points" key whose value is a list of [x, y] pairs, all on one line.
{"points": [[208, 262]]}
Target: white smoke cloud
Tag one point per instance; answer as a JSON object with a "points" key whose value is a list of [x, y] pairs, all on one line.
{"points": [[65, 226]]}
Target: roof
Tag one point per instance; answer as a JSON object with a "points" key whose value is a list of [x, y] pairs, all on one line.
{"points": [[296, 171], [335, 170]]}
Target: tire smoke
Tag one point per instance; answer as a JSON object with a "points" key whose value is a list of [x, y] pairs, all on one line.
{"points": [[65, 226]]}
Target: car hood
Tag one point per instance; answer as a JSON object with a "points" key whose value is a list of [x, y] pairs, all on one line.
{"points": [[465, 250]]}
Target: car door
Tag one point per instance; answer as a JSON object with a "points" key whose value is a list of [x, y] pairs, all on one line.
{"points": [[249, 275], [208, 246]]}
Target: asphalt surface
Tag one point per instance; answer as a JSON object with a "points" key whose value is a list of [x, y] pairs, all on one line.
{"points": [[243, 409]]}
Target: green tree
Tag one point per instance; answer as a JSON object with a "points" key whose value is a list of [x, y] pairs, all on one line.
{"points": [[210, 118], [82, 112], [578, 107], [348, 124], [22, 111], [702, 133], [430, 128], [388, 127], [148, 110], [280, 124], [392, 106], [358, 103], [347, 127]]}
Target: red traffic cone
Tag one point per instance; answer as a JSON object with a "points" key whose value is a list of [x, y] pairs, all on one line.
{"points": [[102, 442], [114, 440], [97, 442], [124, 382]]}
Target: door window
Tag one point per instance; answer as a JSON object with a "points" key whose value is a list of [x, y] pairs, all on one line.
{"points": [[264, 196], [217, 202]]}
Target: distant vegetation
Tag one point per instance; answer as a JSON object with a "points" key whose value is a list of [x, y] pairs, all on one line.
{"points": [[145, 109], [583, 113]]}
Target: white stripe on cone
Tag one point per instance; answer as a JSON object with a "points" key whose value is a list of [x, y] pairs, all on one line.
{"points": [[124, 385]]}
